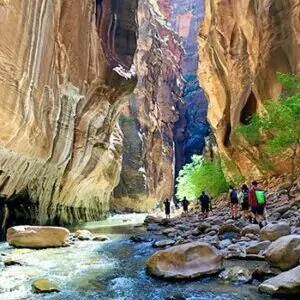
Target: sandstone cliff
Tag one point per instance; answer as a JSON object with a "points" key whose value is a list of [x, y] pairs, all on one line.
{"points": [[149, 118], [242, 46], [60, 148]]}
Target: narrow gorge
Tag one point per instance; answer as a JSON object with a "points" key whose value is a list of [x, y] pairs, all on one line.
{"points": [[109, 108]]}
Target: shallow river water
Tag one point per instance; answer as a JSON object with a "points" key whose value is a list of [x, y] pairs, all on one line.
{"points": [[114, 269]]}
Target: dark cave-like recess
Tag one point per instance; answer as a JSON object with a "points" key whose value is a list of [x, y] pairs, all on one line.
{"points": [[248, 110]]}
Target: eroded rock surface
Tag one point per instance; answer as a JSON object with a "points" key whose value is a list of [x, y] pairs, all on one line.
{"points": [[186, 261], [60, 151], [148, 120], [242, 46]]}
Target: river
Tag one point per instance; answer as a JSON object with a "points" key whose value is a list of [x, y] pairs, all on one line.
{"points": [[114, 269]]}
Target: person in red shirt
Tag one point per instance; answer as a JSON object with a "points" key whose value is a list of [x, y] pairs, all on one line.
{"points": [[256, 208]]}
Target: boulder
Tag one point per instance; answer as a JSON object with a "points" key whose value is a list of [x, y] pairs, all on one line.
{"points": [[236, 274], [265, 272], [284, 253], [258, 247], [44, 286], [163, 243], [37, 236], [284, 284], [186, 261], [83, 235], [152, 219], [229, 231], [169, 230], [272, 232], [251, 228]]}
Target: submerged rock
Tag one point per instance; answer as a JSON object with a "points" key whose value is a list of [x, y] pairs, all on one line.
{"points": [[284, 284], [37, 236], [186, 261], [284, 253], [272, 232], [236, 274], [44, 286]]}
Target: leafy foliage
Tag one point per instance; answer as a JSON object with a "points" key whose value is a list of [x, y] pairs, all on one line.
{"points": [[278, 127], [201, 174]]}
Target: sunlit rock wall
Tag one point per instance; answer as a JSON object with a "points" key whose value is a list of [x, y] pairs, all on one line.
{"points": [[148, 120], [242, 46], [60, 148]]}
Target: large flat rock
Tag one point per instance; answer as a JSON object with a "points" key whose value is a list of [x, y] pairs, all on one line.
{"points": [[186, 261], [284, 284], [37, 236], [284, 253]]}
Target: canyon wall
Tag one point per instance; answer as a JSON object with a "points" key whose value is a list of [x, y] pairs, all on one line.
{"points": [[65, 69], [149, 119], [242, 46]]}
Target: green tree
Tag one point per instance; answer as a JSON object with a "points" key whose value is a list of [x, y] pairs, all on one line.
{"points": [[278, 127], [200, 174]]}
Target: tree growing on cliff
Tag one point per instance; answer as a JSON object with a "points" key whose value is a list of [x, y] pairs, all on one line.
{"points": [[278, 127], [200, 174]]}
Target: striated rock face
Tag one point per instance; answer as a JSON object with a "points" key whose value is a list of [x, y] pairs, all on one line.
{"points": [[60, 148], [242, 46], [148, 120], [185, 19]]}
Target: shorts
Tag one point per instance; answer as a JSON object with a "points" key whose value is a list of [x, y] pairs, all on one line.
{"points": [[258, 210], [204, 208], [245, 206], [234, 201]]}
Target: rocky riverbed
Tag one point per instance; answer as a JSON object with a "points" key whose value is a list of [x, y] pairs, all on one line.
{"points": [[216, 258]]}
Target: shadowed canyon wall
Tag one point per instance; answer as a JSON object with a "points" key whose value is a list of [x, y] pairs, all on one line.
{"points": [[242, 46], [148, 120], [60, 146]]}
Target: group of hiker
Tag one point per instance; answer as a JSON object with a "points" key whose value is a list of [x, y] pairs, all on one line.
{"points": [[252, 203]]}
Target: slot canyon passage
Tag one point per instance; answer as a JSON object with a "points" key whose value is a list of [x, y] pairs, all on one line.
{"points": [[110, 107]]}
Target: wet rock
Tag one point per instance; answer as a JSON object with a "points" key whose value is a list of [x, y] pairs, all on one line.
{"points": [[37, 236], [265, 272], [44, 286], [284, 253], [11, 262], [224, 243], [140, 239], [186, 261], [284, 284], [153, 227], [169, 230], [236, 274], [258, 247], [100, 238], [176, 297], [251, 228], [163, 243], [83, 235], [183, 227], [272, 232], [152, 219], [229, 231]]}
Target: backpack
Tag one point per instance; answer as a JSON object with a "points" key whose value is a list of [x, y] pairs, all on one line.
{"points": [[260, 197], [234, 194]]}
